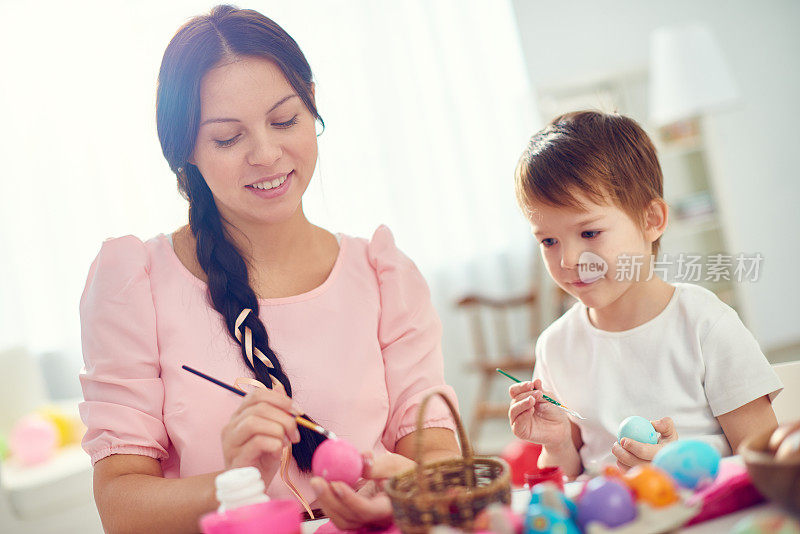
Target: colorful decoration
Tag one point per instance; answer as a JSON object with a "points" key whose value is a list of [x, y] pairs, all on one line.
{"points": [[550, 511], [692, 464], [651, 485], [607, 501]]}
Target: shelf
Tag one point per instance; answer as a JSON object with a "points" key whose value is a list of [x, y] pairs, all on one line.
{"points": [[679, 148], [692, 225]]}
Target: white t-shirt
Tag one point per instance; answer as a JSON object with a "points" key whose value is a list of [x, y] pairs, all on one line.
{"points": [[692, 362]]}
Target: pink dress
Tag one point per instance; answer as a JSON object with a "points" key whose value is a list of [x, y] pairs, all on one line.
{"points": [[361, 350]]}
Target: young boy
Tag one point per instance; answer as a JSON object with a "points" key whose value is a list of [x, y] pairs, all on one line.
{"points": [[591, 186]]}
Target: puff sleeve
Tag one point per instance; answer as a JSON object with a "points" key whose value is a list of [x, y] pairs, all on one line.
{"points": [[410, 337], [122, 389]]}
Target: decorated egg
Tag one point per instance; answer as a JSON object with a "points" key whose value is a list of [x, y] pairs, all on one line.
{"points": [[638, 429], [549, 495], [691, 463], [550, 511], [543, 520], [337, 459], [33, 440], [651, 485], [607, 501]]}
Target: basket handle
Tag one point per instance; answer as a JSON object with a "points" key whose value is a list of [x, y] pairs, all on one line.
{"points": [[466, 448]]}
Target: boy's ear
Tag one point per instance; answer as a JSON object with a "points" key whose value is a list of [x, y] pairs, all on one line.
{"points": [[656, 219]]}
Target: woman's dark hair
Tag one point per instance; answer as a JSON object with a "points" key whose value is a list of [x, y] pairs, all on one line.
{"points": [[225, 34]]}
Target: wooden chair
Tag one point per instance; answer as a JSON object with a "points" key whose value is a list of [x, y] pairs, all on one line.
{"points": [[490, 320]]}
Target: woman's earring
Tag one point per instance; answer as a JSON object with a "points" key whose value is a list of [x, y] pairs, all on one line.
{"points": [[180, 170]]}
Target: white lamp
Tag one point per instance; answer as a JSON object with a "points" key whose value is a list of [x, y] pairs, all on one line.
{"points": [[688, 74]]}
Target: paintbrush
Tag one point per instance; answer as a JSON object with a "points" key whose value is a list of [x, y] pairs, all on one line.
{"points": [[545, 397], [302, 421]]}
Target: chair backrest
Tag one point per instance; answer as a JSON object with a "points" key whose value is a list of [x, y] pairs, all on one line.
{"points": [[493, 322], [787, 403]]}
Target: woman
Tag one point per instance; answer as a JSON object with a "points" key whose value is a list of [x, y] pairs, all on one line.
{"points": [[250, 292]]}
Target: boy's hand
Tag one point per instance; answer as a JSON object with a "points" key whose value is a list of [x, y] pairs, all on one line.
{"points": [[534, 419], [631, 453]]}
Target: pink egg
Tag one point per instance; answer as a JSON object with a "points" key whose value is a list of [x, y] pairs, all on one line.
{"points": [[33, 440], [337, 459]]}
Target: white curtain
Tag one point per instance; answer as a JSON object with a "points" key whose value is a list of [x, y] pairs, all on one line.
{"points": [[427, 108]]}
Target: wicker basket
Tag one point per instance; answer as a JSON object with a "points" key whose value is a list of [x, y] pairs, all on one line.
{"points": [[448, 492]]}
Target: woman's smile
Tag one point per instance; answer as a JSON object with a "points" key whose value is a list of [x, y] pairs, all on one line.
{"points": [[271, 188]]}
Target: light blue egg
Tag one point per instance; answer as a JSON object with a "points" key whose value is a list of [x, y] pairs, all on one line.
{"points": [[638, 429], [692, 463]]}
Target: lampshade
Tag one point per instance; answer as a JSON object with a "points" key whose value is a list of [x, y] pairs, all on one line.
{"points": [[688, 75]]}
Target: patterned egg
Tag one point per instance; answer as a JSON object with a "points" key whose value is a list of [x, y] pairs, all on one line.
{"points": [[691, 463], [638, 429]]}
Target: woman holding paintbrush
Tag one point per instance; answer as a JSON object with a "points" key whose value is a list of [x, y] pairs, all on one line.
{"points": [[338, 329]]}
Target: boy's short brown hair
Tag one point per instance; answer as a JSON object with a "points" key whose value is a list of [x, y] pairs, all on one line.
{"points": [[606, 156]]}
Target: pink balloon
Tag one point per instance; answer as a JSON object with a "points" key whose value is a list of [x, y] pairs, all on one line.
{"points": [[337, 459], [33, 440]]}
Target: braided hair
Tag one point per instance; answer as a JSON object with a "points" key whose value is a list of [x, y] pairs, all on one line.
{"points": [[200, 44]]}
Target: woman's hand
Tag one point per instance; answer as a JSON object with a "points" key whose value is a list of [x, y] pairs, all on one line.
{"points": [[349, 509], [368, 506], [631, 453], [534, 419], [258, 431]]}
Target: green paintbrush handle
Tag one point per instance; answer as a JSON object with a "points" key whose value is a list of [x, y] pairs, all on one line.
{"points": [[517, 380]]}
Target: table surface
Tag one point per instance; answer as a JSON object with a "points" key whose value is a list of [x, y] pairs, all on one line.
{"points": [[715, 526], [520, 498], [19, 483]]}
